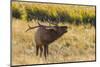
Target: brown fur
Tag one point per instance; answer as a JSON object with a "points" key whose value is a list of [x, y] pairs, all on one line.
{"points": [[46, 35]]}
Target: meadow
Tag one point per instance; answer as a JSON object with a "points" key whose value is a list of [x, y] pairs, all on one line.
{"points": [[78, 44]]}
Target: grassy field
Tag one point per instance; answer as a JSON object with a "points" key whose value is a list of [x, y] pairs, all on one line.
{"points": [[78, 44]]}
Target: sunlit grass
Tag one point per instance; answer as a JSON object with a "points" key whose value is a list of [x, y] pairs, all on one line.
{"points": [[78, 44]]}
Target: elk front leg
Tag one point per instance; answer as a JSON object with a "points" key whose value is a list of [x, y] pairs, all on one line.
{"points": [[45, 51], [41, 51], [37, 50]]}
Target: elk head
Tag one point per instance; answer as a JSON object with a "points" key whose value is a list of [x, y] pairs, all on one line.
{"points": [[59, 29]]}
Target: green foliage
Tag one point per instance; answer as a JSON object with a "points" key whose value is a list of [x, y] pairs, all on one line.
{"points": [[15, 11], [54, 12]]}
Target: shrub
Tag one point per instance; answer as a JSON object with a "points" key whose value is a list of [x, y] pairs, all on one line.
{"points": [[52, 12]]}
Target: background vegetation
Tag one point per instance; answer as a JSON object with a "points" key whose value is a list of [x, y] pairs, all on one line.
{"points": [[52, 12]]}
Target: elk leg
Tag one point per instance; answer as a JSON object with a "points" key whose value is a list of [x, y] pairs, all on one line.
{"points": [[37, 50], [41, 50], [45, 51]]}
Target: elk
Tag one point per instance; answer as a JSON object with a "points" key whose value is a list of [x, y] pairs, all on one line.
{"points": [[45, 35]]}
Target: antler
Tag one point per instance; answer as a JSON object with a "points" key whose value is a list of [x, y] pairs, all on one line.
{"points": [[31, 28], [39, 25]]}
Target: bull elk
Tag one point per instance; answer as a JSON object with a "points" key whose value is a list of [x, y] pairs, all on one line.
{"points": [[46, 35]]}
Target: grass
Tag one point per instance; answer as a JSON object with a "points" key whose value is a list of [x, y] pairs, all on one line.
{"points": [[78, 44]]}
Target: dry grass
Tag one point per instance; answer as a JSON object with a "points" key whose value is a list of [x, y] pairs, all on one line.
{"points": [[78, 44]]}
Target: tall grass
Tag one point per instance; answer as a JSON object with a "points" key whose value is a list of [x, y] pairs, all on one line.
{"points": [[78, 44], [54, 12]]}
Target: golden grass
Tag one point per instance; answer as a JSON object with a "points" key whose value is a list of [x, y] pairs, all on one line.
{"points": [[78, 44]]}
